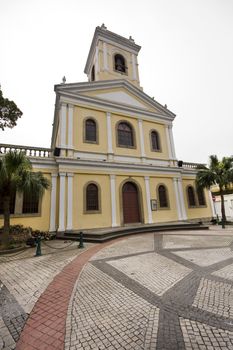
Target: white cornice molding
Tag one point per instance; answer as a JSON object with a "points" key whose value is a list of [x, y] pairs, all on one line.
{"points": [[111, 84], [106, 106]]}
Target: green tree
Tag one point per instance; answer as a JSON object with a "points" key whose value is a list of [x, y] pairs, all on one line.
{"points": [[219, 172], [9, 113], [16, 175]]}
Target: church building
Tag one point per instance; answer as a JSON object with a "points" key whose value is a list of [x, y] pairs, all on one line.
{"points": [[112, 160]]}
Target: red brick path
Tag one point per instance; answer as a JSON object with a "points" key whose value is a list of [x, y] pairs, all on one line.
{"points": [[46, 326]]}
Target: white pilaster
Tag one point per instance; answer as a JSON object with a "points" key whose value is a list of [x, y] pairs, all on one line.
{"points": [[181, 196], [175, 180], [148, 198], [141, 138], [69, 225], [172, 141], [52, 226], [113, 199], [62, 202], [105, 51], [168, 143], [70, 130], [63, 125], [211, 204], [134, 67], [109, 133]]}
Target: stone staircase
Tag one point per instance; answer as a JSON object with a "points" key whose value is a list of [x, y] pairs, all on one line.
{"points": [[106, 234]]}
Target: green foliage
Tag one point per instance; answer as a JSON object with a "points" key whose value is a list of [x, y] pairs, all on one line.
{"points": [[16, 175], [9, 113], [218, 173]]}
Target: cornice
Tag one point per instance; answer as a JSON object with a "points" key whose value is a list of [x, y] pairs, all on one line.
{"points": [[91, 164], [77, 88], [113, 107]]}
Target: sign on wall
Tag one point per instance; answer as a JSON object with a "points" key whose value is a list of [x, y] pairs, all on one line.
{"points": [[153, 203]]}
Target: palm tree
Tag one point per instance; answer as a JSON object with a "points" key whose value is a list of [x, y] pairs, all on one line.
{"points": [[218, 173], [16, 175]]}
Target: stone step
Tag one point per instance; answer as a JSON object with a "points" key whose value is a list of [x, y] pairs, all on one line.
{"points": [[100, 236]]}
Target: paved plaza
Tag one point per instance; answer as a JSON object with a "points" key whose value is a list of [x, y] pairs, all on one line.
{"points": [[149, 291]]}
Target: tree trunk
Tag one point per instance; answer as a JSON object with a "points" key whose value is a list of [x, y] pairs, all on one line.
{"points": [[6, 226], [223, 209]]}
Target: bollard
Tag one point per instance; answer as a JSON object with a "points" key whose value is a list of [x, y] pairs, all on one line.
{"points": [[38, 246], [81, 245]]}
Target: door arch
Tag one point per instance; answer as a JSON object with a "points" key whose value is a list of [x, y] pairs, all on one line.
{"points": [[130, 201]]}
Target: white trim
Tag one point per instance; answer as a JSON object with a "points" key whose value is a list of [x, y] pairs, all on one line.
{"points": [[113, 199], [105, 56], [61, 227], [181, 196], [148, 198], [168, 142], [177, 198], [131, 111], [109, 132], [172, 141], [69, 225], [70, 128], [52, 226], [63, 125], [90, 155], [127, 159], [211, 204], [141, 138]]}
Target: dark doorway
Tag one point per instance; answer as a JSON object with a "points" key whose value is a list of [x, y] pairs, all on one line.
{"points": [[131, 211]]}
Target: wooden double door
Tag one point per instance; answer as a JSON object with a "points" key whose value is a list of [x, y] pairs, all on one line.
{"points": [[131, 208]]}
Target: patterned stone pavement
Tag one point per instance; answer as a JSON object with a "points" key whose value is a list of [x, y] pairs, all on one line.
{"points": [[153, 291]]}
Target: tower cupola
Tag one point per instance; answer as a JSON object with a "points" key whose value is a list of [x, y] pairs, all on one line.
{"points": [[112, 56]]}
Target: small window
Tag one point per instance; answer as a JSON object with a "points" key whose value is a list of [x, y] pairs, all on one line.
{"points": [[155, 141], [201, 196], [30, 203], [191, 197], [12, 203], [125, 135], [92, 197], [119, 63], [90, 131], [162, 196], [93, 74]]}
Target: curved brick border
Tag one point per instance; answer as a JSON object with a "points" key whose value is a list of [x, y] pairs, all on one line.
{"points": [[46, 326]]}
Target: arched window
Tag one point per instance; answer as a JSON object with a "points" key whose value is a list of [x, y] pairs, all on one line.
{"points": [[92, 197], [201, 196], [93, 74], [162, 197], [125, 135], [191, 196], [155, 141], [119, 63], [90, 131]]}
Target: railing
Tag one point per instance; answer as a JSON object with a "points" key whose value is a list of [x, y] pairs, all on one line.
{"points": [[188, 165], [28, 150]]}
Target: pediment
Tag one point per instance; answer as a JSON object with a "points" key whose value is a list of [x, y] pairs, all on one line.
{"points": [[117, 92], [121, 97]]}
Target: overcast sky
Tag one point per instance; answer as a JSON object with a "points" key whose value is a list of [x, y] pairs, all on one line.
{"points": [[186, 61]]}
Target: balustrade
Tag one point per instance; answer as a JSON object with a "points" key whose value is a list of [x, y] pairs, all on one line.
{"points": [[28, 150]]}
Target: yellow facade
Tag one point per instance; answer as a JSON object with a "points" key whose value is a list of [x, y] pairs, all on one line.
{"points": [[112, 151]]}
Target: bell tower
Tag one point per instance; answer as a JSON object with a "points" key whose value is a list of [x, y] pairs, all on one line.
{"points": [[112, 56]]}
